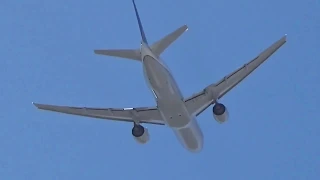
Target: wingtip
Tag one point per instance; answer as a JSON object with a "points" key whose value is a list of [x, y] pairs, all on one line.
{"points": [[285, 36], [186, 26], [97, 51], [35, 104]]}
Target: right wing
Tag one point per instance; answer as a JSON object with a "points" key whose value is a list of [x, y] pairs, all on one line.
{"points": [[230, 81], [197, 103], [149, 115]]}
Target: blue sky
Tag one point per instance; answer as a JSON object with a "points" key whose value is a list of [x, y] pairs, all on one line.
{"points": [[47, 56]]}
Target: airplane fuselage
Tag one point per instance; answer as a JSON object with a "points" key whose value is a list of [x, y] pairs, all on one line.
{"points": [[170, 101]]}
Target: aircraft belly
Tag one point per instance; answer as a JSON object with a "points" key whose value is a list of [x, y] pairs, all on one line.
{"points": [[154, 72], [171, 104], [190, 136], [173, 113], [169, 99]]}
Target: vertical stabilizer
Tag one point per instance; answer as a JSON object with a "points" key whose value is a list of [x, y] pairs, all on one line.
{"points": [[143, 36]]}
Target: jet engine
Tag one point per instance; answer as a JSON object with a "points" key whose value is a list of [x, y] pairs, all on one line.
{"points": [[220, 112], [140, 134]]}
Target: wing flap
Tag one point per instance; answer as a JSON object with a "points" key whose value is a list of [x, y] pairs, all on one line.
{"points": [[199, 102], [149, 115]]}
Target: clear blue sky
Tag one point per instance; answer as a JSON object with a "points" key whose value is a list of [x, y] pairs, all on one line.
{"points": [[46, 52]]}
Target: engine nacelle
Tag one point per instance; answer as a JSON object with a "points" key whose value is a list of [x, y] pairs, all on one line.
{"points": [[140, 134], [220, 113]]}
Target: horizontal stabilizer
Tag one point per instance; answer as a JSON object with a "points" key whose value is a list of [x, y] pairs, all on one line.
{"points": [[121, 53], [161, 45]]}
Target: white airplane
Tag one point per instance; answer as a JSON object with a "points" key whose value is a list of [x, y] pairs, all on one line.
{"points": [[171, 109]]}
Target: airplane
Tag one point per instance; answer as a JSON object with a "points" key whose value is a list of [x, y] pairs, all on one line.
{"points": [[172, 109]]}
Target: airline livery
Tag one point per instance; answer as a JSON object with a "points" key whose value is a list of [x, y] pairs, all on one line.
{"points": [[171, 109]]}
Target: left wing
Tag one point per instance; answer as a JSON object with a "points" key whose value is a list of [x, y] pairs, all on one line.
{"points": [[199, 102], [149, 115]]}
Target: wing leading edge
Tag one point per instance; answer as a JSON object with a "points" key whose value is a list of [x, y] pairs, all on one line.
{"points": [[199, 102], [148, 115]]}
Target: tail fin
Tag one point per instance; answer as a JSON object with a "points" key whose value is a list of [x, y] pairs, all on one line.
{"points": [[157, 48], [161, 45], [143, 36], [126, 53]]}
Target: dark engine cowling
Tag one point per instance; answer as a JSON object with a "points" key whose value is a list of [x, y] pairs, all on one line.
{"points": [[220, 112], [140, 134]]}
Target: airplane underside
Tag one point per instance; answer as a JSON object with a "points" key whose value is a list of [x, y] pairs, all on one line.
{"points": [[171, 108], [171, 105]]}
